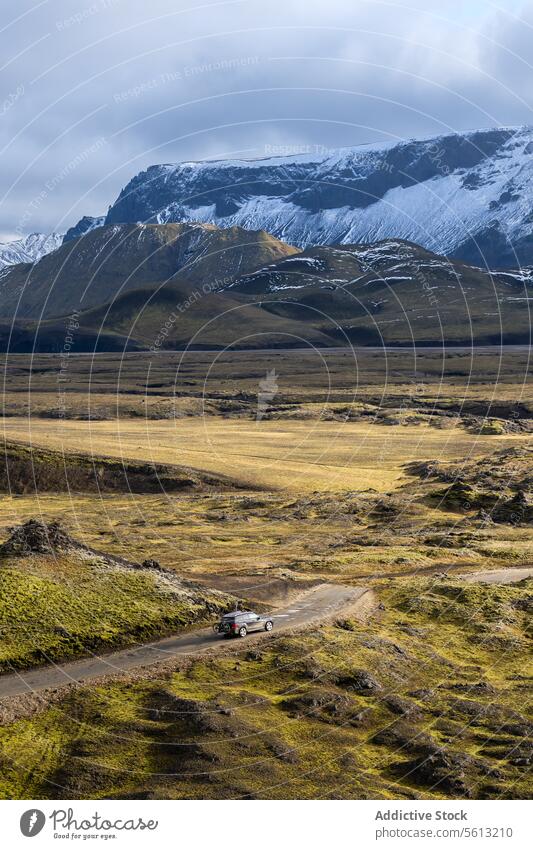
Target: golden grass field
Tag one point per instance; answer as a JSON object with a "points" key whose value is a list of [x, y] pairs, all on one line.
{"points": [[289, 455], [218, 539], [319, 500]]}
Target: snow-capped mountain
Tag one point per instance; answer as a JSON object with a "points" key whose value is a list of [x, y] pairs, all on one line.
{"points": [[29, 249], [84, 226], [468, 195]]}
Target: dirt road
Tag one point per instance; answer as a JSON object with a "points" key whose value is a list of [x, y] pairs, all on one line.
{"points": [[315, 605], [498, 576]]}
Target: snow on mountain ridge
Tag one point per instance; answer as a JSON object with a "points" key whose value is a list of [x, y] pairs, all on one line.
{"points": [[339, 154], [465, 194], [84, 226], [29, 248]]}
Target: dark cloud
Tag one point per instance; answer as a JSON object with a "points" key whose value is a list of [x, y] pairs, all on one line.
{"points": [[96, 90]]}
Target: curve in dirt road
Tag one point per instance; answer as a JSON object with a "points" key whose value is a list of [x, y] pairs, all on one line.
{"points": [[315, 605]]}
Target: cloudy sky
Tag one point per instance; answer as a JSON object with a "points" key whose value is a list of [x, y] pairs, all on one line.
{"points": [[94, 91]]}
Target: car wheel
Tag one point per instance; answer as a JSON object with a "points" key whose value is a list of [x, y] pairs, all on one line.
{"points": [[269, 625], [242, 631]]}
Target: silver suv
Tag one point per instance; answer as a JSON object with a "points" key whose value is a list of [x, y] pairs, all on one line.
{"points": [[241, 622]]}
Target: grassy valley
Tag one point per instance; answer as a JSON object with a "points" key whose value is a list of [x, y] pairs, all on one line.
{"points": [[147, 495], [427, 701]]}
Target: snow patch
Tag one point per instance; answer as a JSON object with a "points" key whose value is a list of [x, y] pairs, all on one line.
{"points": [[29, 249]]}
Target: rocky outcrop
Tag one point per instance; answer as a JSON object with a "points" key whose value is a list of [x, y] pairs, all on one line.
{"points": [[37, 537]]}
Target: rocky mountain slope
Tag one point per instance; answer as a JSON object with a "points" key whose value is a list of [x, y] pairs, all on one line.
{"points": [[84, 225], [108, 261], [29, 249], [394, 292], [390, 293], [466, 195]]}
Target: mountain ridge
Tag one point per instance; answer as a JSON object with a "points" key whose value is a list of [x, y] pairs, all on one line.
{"points": [[29, 249], [388, 294], [106, 261], [467, 195]]}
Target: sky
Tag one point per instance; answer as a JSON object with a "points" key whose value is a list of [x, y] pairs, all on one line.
{"points": [[94, 91]]}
